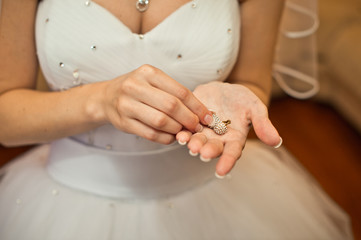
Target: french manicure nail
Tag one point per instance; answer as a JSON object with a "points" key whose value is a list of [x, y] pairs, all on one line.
{"points": [[181, 142], [279, 144], [203, 159], [219, 176], [199, 128], [208, 119], [192, 153]]}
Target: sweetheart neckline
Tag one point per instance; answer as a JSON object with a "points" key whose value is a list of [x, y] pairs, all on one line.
{"points": [[164, 21]]}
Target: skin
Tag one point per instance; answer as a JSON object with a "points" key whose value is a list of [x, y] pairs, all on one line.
{"points": [[28, 116], [245, 97], [145, 102]]}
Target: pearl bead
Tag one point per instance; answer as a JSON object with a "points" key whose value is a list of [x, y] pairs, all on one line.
{"points": [[76, 80]]}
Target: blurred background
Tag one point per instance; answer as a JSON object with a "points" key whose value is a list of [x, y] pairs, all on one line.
{"points": [[324, 132]]}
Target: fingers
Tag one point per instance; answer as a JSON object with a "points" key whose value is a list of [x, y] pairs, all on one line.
{"points": [[167, 84], [212, 149], [183, 137], [207, 148], [231, 153], [196, 143], [171, 106], [142, 130], [154, 88], [263, 127], [152, 118]]}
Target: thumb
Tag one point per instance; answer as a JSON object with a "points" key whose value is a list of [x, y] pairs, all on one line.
{"points": [[265, 130]]}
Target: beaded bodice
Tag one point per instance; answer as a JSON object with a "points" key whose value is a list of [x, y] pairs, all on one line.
{"points": [[80, 42]]}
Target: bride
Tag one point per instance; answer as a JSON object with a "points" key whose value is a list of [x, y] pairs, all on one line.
{"points": [[143, 134]]}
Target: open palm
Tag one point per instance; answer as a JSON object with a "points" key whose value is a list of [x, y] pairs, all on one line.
{"points": [[240, 105]]}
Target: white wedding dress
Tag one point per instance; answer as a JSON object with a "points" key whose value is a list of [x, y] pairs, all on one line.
{"points": [[106, 184]]}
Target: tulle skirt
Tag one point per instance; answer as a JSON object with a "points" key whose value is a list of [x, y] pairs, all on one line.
{"points": [[268, 196]]}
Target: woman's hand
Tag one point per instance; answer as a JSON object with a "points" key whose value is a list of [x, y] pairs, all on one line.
{"points": [[240, 105], [150, 104]]}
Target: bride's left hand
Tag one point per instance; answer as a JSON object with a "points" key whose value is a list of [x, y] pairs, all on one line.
{"points": [[240, 105]]}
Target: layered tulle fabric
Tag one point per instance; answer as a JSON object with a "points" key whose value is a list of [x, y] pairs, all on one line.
{"points": [[267, 196]]}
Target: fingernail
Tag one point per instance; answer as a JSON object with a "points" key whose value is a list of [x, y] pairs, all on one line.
{"points": [[192, 153], [208, 119], [203, 159], [279, 144], [199, 128], [212, 123], [219, 176], [181, 142]]}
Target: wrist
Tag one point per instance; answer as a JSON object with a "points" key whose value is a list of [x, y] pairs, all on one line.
{"points": [[94, 106], [262, 94], [260, 86]]}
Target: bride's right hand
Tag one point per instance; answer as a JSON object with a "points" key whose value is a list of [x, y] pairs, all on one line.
{"points": [[150, 104]]}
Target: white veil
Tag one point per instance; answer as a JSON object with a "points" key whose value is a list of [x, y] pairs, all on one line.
{"points": [[295, 67]]}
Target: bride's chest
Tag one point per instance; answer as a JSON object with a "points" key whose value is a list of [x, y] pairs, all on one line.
{"points": [[141, 18], [80, 41]]}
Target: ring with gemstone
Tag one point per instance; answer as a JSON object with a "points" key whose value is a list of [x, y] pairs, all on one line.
{"points": [[218, 126]]}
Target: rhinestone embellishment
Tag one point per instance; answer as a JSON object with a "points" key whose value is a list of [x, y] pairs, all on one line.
{"points": [[221, 127], [76, 77], [218, 126]]}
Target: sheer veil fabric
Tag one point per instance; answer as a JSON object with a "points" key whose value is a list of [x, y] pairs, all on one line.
{"points": [[106, 184], [295, 67]]}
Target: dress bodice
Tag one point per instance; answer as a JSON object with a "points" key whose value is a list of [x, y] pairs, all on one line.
{"points": [[80, 42]]}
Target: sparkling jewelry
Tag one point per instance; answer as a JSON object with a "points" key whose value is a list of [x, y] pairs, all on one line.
{"points": [[218, 126], [142, 5]]}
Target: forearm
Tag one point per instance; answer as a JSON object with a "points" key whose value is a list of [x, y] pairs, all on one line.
{"points": [[259, 32], [28, 116]]}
